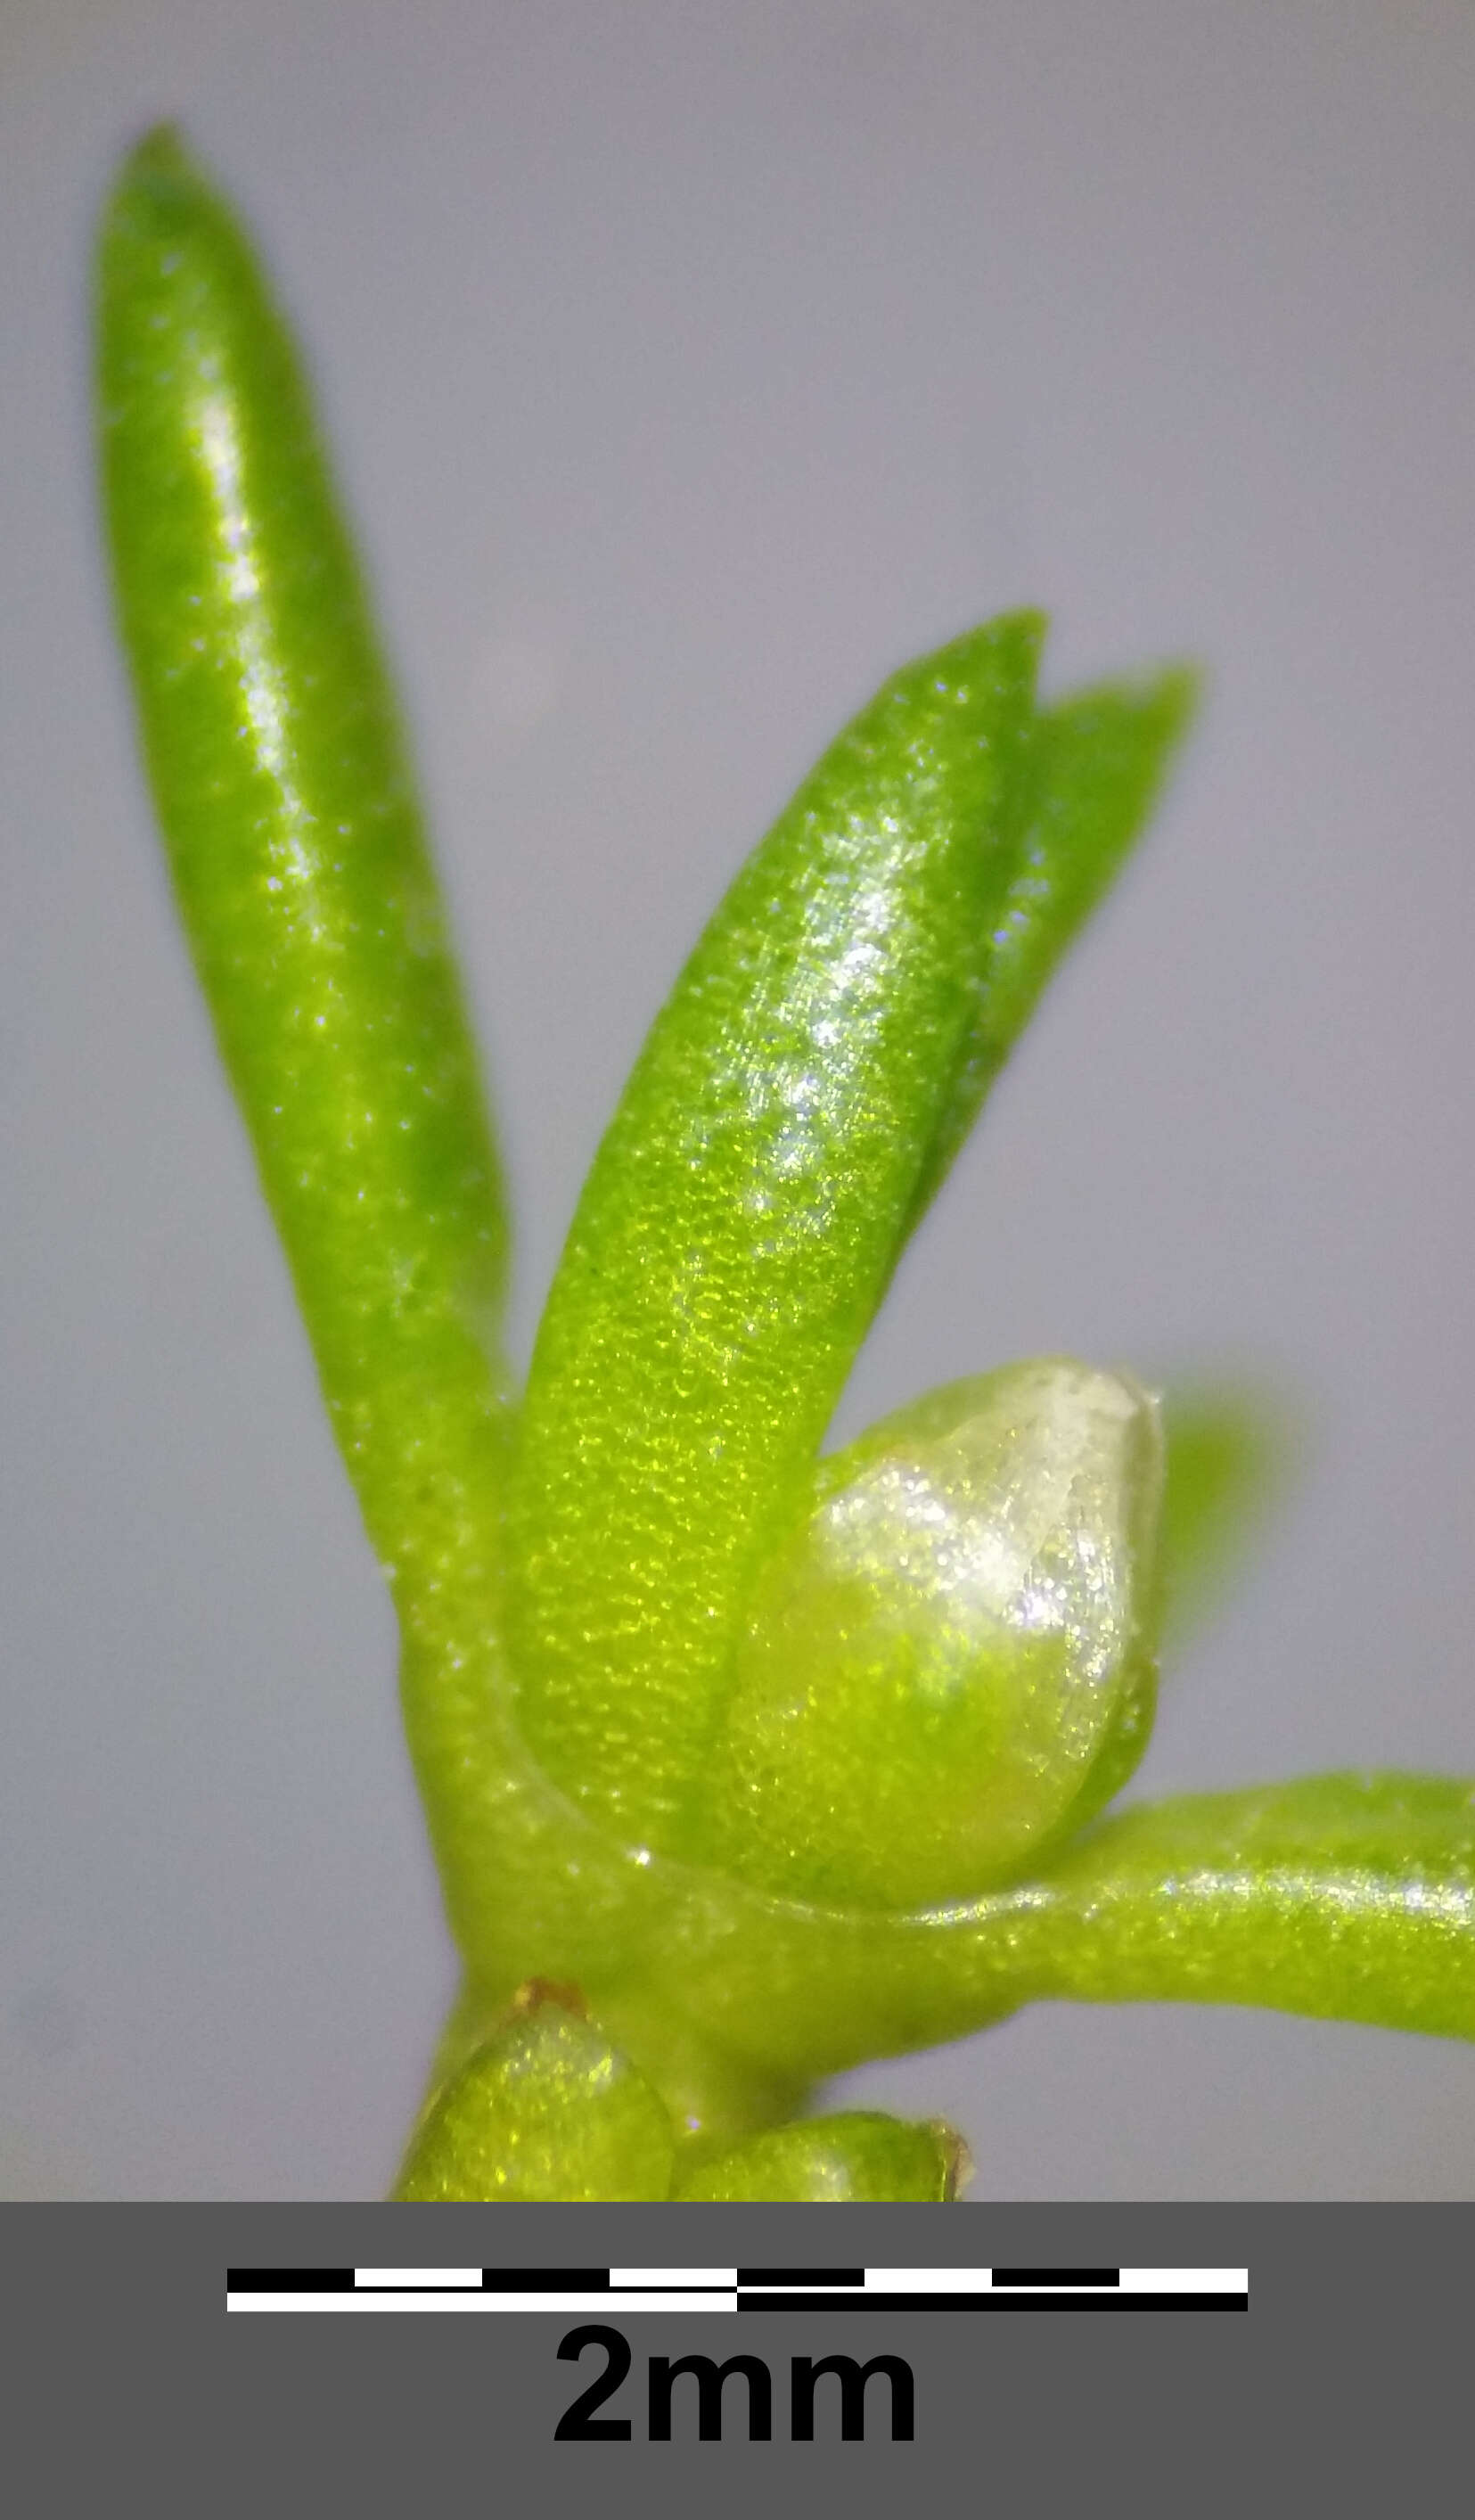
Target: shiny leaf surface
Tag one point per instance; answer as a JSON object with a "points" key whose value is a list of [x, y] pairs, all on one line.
{"points": [[741, 1221], [547, 2112], [285, 795]]}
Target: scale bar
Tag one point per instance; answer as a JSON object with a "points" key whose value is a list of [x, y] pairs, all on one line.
{"points": [[596, 2291]]}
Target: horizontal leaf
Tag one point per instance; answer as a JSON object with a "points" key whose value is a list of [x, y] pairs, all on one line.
{"points": [[1349, 1897], [1345, 1897]]}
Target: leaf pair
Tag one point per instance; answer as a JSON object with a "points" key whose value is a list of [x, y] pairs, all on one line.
{"points": [[795, 1106], [549, 2111]]}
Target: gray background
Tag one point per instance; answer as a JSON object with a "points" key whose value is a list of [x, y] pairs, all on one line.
{"points": [[690, 366]]}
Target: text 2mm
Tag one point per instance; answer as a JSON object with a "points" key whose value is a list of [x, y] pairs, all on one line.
{"points": [[846, 2397]]}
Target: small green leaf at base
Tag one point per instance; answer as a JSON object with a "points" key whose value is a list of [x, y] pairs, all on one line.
{"points": [[547, 2112], [856, 2158]]}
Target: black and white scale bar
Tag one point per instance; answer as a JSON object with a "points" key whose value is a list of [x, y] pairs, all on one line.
{"points": [[587, 2291]]}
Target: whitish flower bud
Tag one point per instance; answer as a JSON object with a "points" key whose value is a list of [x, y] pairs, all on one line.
{"points": [[949, 1663]]}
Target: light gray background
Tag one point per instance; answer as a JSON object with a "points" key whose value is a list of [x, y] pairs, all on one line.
{"points": [[691, 366]]}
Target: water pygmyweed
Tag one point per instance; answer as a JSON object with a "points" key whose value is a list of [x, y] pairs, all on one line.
{"points": [[770, 1763]]}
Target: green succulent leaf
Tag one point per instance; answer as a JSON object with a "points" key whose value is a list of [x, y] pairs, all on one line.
{"points": [[285, 794], [741, 1221], [547, 2112], [1346, 1897], [858, 2157]]}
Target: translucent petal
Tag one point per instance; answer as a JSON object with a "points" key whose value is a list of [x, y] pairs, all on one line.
{"points": [[954, 1646]]}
